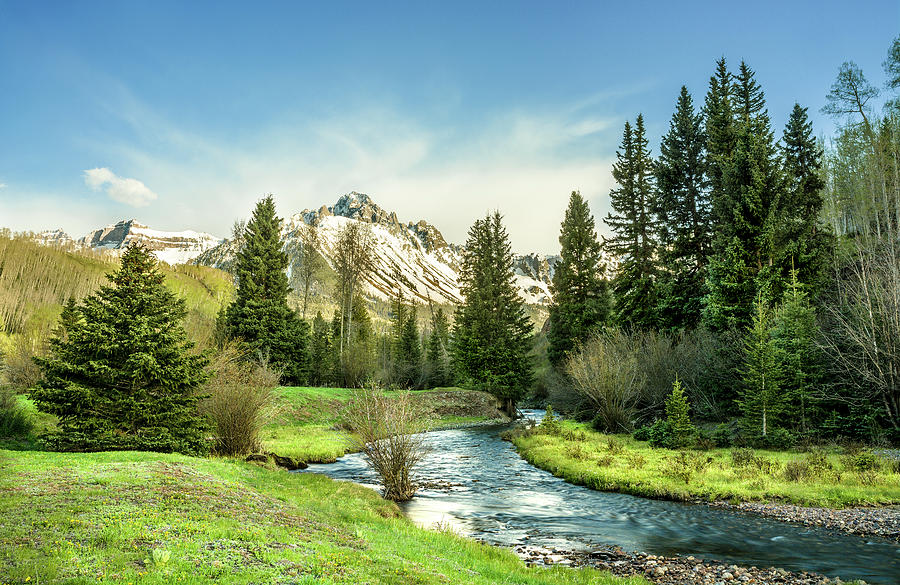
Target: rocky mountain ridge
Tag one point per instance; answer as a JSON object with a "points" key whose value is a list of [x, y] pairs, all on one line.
{"points": [[170, 247]]}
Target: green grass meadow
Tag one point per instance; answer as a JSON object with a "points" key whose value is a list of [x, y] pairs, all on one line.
{"points": [[618, 463]]}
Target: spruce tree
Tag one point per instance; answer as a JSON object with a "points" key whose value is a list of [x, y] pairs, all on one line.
{"points": [[683, 210], [795, 333], [580, 293], [121, 373], [678, 417], [320, 351], [634, 227], [437, 355], [407, 349], [720, 141], [761, 400], [801, 242], [492, 333], [260, 315], [747, 214]]}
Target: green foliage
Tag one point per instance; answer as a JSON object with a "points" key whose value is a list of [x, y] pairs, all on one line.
{"points": [[634, 228], [795, 333], [580, 293], [14, 419], [437, 364], [682, 431], [492, 334], [802, 243], [660, 434], [320, 352], [354, 366], [683, 210], [260, 315], [120, 374], [406, 347], [761, 399]]}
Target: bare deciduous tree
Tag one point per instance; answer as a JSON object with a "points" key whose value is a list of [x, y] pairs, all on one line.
{"points": [[353, 262], [866, 318], [307, 262]]}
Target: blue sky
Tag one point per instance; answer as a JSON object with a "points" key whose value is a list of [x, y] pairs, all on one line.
{"points": [[182, 114]]}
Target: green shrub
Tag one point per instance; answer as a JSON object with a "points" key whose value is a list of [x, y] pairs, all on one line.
{"points": [[862, 461], [614, 445], [14, 420], [661, 434], [722, 436], [635, 460], [642, 434], [796, 470], [777, 439]]}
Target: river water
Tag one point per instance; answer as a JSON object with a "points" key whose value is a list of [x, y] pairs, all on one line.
{"points": [[478, 484]]}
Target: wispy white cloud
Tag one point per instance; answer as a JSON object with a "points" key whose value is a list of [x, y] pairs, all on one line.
{"points": [[524, 162], [2, 185], [124, 190]]}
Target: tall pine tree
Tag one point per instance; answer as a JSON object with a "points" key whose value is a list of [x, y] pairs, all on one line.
{"points": [[634, 225], [746, 213], [761, 400], [121, 373], [492, 334], [320, 350], [437, 351], [801, 241], [580, 293], [260, 315], [683, 209]]}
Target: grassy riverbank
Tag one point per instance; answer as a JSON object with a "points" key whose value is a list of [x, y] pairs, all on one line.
{"points": [[304, 425], [132, 517], [582, 456]]}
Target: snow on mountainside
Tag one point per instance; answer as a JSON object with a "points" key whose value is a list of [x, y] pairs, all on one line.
{"points": [[170, 247], [428, 266]]}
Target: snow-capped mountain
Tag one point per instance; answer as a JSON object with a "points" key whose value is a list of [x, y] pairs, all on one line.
{"points": [[170, 247], [413, 256]]}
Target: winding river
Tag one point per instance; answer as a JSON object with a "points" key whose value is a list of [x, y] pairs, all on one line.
{"points": [[478, 484]]}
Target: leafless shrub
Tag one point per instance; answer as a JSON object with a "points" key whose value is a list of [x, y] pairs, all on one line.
{"points": [[606, 372], [240, 399], [388, 431]]}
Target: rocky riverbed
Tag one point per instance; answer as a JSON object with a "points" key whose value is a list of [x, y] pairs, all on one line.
{"points": [[883, 522], [670, 570]]}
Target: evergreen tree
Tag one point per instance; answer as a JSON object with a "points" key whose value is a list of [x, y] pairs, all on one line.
{"points": [[747, 215], [437, 355], [634, 228], [720, 141], [320, 350], [683, 210], [121, 374], [801, 242], [580, 294], [260, 315], [678, 417], [407, 349], [795, 333], [492, 334], [761, 400]]}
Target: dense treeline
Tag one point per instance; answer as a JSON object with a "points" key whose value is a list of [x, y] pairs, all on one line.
{"points": [[760, 274]]}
